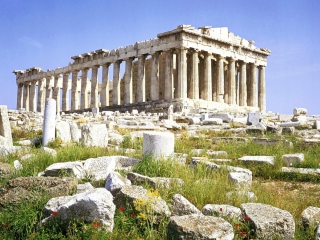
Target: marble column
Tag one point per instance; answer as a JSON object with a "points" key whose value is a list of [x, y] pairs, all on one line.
{"points": [[253, 101], [262, 89], [220, 79], [154, 88], [207, 93], [104, 95], [26, 96], [41, 95], [182, 73], [243, 85], [141, 83], [128, 81], [232, 81], [49, 86], [194, 83], [84, 88], [94, 87], [168, 85], [74, 91], [56, 91], [116, 94], [20, 96], [65, 92], [32, 97]]}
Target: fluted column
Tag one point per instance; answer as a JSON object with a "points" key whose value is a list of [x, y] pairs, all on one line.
{"points": [[56, 91], [154, 88], [194, 83], [84, 88], [65, 92], [20, 96], [182, 74], [128, 81], [168, 85], [232, 81], [253, 86], [49, 86], [116, 83], [26, 96], [94, 87], [104, 95], [41, 94], [220, 78], [243, 85], [32, 97], [141, 84], [207, 86], [262, 89], [75, 93]]}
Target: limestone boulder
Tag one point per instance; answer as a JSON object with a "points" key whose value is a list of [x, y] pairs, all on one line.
{"points": [[63, 131], [212, 121], [240, 178], [115, 138], [74, 169], [17, 165], [269, 222], [99, 168], [115, 182], [91, 206], [30, 188], [181, 206], [94, 135], [310, 216], [199, 227], [49, 151], [221, 210], [6, 170], [75, 132], [5, 127]]}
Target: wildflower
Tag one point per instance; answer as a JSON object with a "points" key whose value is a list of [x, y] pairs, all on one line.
{"points": [[54, 213], [246, 218], [132, 214], [237, 224], [96, 224], [220, 209], [43, 224], [172, 213], [243, 233], [121, 208], [7, 224]]}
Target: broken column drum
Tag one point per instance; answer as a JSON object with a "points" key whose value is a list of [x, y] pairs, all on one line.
{"points": [[158, 144], [49, 122], [208, 64]]}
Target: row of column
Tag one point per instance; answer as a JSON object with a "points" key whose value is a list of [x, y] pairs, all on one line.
{"points": [[195, 75]]}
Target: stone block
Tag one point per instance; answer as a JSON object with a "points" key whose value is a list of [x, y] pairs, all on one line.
{"points": [[221, 210], [254, 118], [49, 122], [258, 159], [212, 121], [63, 131], [310, 216], [227, 118], [158, 144], [115, 182], [75, 132], [299, 111], [99, 168], [289, 159], [5, 127], [181, 206], [94, 135]]}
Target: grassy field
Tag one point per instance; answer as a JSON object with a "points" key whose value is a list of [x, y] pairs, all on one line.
{"points": [[291, 192]]}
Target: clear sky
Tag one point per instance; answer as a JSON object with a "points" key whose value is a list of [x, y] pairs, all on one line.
{"points": [[47, 33]]}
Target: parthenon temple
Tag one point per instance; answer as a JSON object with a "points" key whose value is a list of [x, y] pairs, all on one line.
{"points": [[207, 64]]}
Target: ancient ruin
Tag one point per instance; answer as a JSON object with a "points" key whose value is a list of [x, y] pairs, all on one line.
{"points": [[205, 67]]}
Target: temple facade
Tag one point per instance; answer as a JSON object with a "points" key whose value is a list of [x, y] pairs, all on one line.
{"points": [[210, 64]]}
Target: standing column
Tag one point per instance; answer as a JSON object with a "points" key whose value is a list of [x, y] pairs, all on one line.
{"points": [[84, 89], [104, 96], [65, 92], [20, 96], [26, 96], [168, 85], [56, 91], [207, 91], [232, 81], [220, 78], [194, 83], [182, 74], [141, 84], [94, 87], [243, 85], [49, 85], [116, 83], [75, 94], [253, 86], [262, 89], [128, 81], [32, 103], [154, 88], [41, 95]]}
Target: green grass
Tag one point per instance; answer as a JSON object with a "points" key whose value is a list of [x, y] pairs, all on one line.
{"points": [[201, 186]]}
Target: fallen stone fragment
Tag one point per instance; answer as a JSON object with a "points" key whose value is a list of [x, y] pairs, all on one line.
{"points": [[91, 206], [240, 179], [74, 169], [17, 165], [63, 131], [84, 187], [6, 170], [269, 222], [115, 182], [158, 144], [199, 227], [181, 206], [258, 159], [94, 135], [301, 170], [221, 210], [310, 216], [289, 159], [137, 178]]}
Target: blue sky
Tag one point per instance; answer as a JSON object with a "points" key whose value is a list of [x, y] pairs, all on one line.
{"points": [[47, 33]]}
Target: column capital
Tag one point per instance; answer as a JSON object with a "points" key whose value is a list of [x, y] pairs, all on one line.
{"points": [[95, 66], [230, 59], [118, 61], [261, 66], [156, 53], [66, 73], [129, 59], [171, 50], [142, 56], [107, 64]]}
